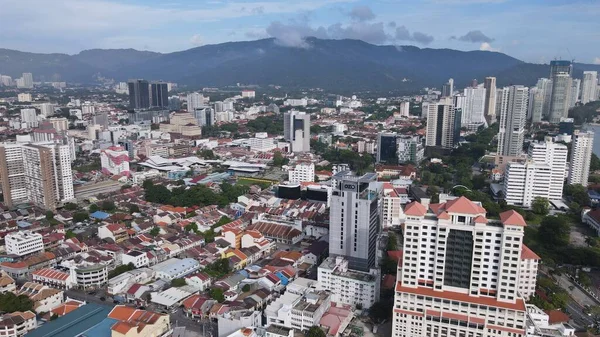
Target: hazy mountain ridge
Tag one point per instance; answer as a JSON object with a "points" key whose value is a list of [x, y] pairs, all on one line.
{"points": [[331, 64]]}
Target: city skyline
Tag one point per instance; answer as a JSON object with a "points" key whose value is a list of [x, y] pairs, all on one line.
{"points": [[184, 24]]}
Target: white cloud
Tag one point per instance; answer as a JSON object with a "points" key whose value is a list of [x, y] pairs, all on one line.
{"points": [[488, 47], [597, 60], [196, 40], [95, 20]]}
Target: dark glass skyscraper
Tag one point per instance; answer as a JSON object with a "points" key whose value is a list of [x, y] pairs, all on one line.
{"points": [[160, 94], [387, 148], [139, 94]]}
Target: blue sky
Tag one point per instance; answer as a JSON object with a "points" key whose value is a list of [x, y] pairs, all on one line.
{"points": [[531, 30]]}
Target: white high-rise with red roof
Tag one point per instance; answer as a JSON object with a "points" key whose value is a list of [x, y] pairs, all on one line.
{"points": [[461, 273], [115, 161]]}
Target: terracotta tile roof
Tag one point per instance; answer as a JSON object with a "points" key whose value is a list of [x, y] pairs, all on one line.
{"points": [[122, 327], [66, 308], [51, 274], [415, 209], [557, 316], [464, 206], [512, 218], [444, 216], [528, 254], [480, 219]]}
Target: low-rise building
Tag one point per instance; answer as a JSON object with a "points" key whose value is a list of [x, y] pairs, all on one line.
{"points": [[44, 298], [87, 274], [54, 278], [348, 286], [7, 283], [134, 322], [17, 324], [123, 282], [298, 311], [199, 280], [539, 324], [137, 258], [231, 322], [23, 243], [173, 296], [175, 268]]}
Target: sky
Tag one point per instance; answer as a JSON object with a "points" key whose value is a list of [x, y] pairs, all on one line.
{"points": [[531, 30]]}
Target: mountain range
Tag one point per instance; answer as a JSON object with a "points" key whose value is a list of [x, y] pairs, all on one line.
{"points": [[330, 64]]}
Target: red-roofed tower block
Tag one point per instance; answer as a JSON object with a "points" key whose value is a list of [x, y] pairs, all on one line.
{"points": [[115, 161], [460, 269]]}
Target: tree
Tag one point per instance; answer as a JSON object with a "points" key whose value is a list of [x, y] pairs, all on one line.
{"points": [[9, 302], [223, 221], [94, 208], [80, 216], [434, 193], [209, 236], [155, 231], [392, 243], [389, 266], [69, 206], [147, 184], [207, 154], [218, 268], [540, 206], [315, 331], [178, 282], [217, 294], [590, 241], [193, 227], [108, 206], [133, 208], [554, 231], [594, 163], [584, 279], [577, 193], [120, 270], [69, 234], [246, 288], [278, 159], [49, 215]]}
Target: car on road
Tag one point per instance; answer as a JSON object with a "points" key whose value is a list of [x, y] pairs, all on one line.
{"points": [[102, 298], [92, 293]]}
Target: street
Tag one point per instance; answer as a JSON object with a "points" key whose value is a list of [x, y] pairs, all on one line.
{"points": [[577, 314]]}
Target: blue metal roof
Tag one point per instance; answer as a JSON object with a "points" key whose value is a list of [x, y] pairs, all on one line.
{"points": [[74, 323], [101, 329], [99, 215]]}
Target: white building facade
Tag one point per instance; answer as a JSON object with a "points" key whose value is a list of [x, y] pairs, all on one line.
{"points": [[115, 161], [302, 172], [581, 156], [23, 243], [459, 275]]}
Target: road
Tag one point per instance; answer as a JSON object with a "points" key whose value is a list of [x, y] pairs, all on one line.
{"points": [[575, 291], [577, 314]]}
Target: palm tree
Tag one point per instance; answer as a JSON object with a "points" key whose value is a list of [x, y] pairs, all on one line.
{"points": [[590, 241]]}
